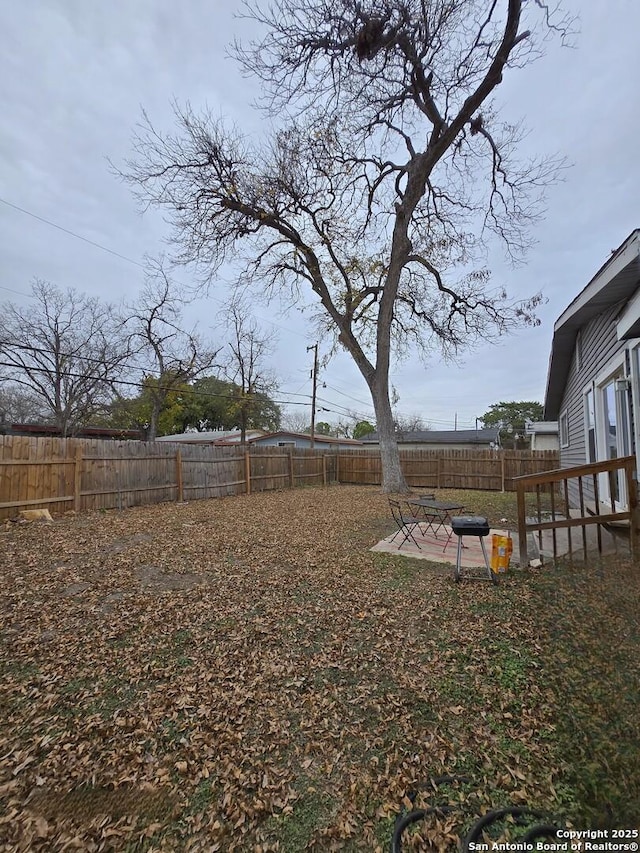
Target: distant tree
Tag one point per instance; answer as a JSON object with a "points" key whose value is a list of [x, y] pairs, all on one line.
{"points": [[296, 421], [66, 349], [323, 428], [139, 411], [510, 418], [246, 363], [362, 428], [209, 405], [410, 423], [343, 429], [18, 405], [171, 355], [213, 404]]}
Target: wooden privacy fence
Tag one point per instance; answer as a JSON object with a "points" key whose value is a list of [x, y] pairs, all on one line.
{"points": [[488, 470], [82, 474], [61, 474]]}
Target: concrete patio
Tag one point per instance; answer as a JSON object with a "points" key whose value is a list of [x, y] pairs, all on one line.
{"points": [[438, 550]]}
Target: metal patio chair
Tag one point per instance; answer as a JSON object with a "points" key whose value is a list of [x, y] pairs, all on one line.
{"points": [[406, 524]]}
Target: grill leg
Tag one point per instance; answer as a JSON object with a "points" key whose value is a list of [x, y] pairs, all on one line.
{"points": [[493, 577], [458, 571]]}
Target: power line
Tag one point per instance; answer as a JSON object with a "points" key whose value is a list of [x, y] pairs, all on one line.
{"points": [[17, 292], [96, 245], [348, 396], [140, 385], [345, 412], [71, 233]]}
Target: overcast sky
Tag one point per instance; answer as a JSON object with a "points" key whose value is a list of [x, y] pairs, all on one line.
{"points": [[75, 74]]}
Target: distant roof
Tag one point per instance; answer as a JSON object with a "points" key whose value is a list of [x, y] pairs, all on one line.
{"points": [[442, 436], [616, 280], [209, 436]]}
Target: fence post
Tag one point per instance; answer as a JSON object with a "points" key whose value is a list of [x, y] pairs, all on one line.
{"points": [[338, 467], [438, 471], [324, 470], [247, 472], [77, 478], [180, 495], [291, 475], [522, 523], [502, 469]]}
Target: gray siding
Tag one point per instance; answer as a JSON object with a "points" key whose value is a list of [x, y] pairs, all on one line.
{"points": [[301, 441], [598, 344]]}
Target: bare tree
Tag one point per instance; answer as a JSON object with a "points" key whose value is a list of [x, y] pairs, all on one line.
{"points": [[18, 405], [381, 192], [245, 366], [410, 423], [66, 349], [171, 355], [296, 421]]}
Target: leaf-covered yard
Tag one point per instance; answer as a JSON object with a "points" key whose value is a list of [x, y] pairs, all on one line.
{"points": [[244, 674]]}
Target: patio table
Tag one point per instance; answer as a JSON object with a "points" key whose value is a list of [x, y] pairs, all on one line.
{"points": [[437, 514]]}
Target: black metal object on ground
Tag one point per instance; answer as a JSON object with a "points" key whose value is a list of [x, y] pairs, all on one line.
{"points": [[471, 525], [515, 816]]}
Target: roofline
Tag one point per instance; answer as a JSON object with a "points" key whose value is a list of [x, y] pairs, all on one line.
{"points": [[471, 436], [582, 309], [622, 257]]}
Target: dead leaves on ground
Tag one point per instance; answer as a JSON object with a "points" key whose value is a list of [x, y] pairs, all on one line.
{"points": [[243, 674]]}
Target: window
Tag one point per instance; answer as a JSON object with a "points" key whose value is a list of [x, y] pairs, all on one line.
{"points": [[590, 425], [286, 444], [564, 429]]}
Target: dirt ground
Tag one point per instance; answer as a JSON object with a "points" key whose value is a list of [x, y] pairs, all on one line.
{"points": [[245, 674]]}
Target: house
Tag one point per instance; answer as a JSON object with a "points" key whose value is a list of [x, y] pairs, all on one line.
{"points": [[461, 439], [593, 382], [543, 435], [282, 438]]}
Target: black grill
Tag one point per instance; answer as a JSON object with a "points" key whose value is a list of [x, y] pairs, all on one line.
{"points": [[470, 525]]}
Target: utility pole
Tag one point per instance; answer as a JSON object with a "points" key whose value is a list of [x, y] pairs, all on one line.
{"points": [[314, 376]]}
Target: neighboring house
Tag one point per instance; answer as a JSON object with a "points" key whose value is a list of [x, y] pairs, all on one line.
{"points": [[461, 439], [211, 437], [543, 435], [593, 384], [300, 439]]}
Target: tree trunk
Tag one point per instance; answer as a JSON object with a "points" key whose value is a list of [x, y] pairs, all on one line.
{"points": [[393, 481], [152, 430], [243, 426]]}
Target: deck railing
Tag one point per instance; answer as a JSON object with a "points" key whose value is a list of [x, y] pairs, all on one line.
{"points": [[580, 485]]}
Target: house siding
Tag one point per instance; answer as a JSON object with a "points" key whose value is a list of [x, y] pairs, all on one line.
{"points": [[598, 344], [299, 441]]}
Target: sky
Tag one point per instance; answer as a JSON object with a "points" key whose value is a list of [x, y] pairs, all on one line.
{"points": [[76, 74]]}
